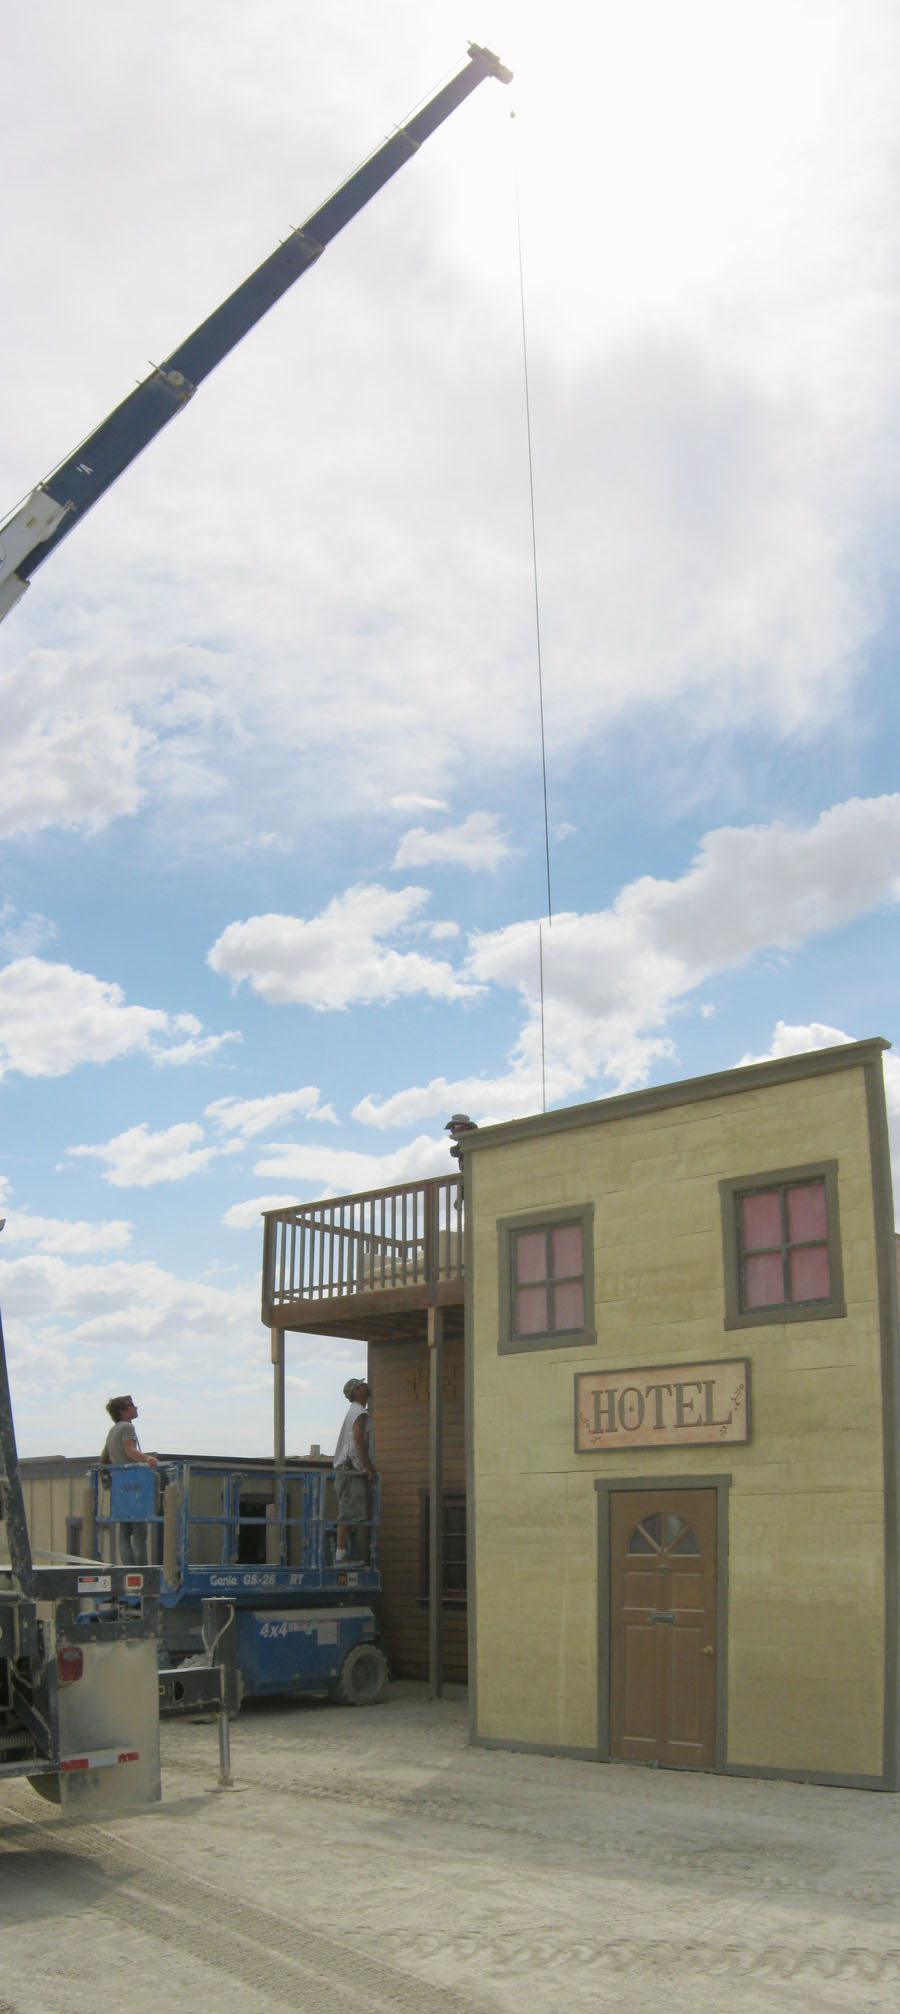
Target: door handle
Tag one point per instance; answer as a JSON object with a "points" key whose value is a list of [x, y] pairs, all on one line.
{"points": [[708, 1650]]}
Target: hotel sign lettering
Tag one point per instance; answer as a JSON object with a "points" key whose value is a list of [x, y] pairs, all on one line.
{"points": [[670, 1405]]}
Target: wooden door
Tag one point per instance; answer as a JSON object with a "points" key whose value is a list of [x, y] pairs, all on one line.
{"points": [[663, 1627]]}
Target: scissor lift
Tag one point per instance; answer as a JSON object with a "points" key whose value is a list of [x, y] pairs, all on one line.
{"points": [[252, 1604]]}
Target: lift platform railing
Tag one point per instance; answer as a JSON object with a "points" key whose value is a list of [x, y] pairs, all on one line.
{"points": [[255, 1530]]}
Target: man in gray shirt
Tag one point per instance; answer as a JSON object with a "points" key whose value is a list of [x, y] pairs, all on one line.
{"points": [[122, 1448]]}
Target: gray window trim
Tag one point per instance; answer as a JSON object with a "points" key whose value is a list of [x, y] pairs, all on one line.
{"points": [[833, 1309], [537, 1220]]}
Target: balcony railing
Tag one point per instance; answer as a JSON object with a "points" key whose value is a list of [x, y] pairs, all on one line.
{"points": [[405, 1241]]}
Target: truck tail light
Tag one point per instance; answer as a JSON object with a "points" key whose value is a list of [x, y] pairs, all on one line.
{"points": [[69, 1663]]}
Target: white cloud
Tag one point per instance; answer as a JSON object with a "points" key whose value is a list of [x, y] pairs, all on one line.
{"points": [[408, 802], [122, 1300], [78, 1331], [717, 476], [19, 936], [53, 1018], [613, 979], [477, 843], [138, 1158], [494, 1098], [155, 1363], [196, 1047], [339, 1171], [58, 1234], [246, 1216], [249, 1116], [799, 1040], [339, 957], [63, 764]]}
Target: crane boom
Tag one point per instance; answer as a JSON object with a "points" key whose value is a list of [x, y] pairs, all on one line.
{"points": [[55, 506]]}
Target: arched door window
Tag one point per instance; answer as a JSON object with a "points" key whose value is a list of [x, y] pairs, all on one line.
{"points": [[663, 1531]]}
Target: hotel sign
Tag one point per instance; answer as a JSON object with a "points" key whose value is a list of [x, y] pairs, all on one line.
{"points": [[670, 1405]]}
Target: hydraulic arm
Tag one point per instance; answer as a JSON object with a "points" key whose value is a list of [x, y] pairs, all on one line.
{"points": [[12, 1502], [51, 511]]}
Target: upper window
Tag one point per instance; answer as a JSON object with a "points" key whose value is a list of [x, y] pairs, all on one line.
{"points": [[546, 1281], [782, 1248]]}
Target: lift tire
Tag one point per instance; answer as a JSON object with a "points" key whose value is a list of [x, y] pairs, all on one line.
{"points": [[363, 1676], [47, 1786]]}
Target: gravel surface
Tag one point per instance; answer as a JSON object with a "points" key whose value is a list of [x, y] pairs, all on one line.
{"points": [[370, 1857]]}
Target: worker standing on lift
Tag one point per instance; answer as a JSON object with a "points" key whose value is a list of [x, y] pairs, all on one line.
{"points": [[354, 1466], [122, 1447]]}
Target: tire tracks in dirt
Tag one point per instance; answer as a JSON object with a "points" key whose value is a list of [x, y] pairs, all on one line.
{"points": [[738, 1869], [287, 1963]]}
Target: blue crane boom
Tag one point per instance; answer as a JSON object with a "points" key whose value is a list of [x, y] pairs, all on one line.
{"points": [[51, 511]]}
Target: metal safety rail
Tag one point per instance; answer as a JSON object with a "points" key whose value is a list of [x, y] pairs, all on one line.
{"points": [[211, 1543]]}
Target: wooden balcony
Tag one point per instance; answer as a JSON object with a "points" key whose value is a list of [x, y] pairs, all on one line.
{"points": [[367, 1266]]}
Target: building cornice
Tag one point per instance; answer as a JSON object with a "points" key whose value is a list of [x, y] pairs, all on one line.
{"points": [[690, 1091]]}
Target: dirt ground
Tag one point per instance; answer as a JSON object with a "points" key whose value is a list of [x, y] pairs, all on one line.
{"points": [[370, 1858]]}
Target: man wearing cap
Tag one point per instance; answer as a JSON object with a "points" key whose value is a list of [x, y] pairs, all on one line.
{"points": [[354, 1466]]}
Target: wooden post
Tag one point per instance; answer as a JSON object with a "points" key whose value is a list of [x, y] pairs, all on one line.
{"points": [[278, 1362], [436, 1490]]}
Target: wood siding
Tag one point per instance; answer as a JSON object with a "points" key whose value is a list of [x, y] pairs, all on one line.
{"points": [[399, 1374]]}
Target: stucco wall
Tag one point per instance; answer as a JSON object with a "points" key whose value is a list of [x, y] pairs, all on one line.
{"points": [[806, 1551]]}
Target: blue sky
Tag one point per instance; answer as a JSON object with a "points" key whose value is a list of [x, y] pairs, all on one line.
{"points": [[271, 817]]}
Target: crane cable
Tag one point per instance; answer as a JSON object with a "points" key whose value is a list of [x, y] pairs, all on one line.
{"points": [[537, 629]]}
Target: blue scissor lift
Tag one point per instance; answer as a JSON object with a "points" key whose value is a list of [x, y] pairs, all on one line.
{"points": [[252, 1603]]}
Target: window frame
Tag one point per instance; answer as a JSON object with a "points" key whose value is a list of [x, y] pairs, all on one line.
{"points": [[451, 1499], [585, 1337], [731, 1192]]}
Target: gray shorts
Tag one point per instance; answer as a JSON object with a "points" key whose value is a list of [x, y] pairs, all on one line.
{"points": [[352, 1496]]}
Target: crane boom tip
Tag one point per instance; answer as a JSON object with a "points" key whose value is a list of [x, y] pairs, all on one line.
{"points": [[492, 64]]}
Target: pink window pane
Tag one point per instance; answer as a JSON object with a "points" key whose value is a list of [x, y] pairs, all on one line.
{"points": [[810, 1274], [761, 1220], [531, 1311], [568, 1305], [565, 1245], [531, 1256], [806, 1213], [764, 1281]]}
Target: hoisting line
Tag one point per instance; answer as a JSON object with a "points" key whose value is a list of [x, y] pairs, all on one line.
{"points": [[543, 1057], [534, 558], [537, 629]]}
